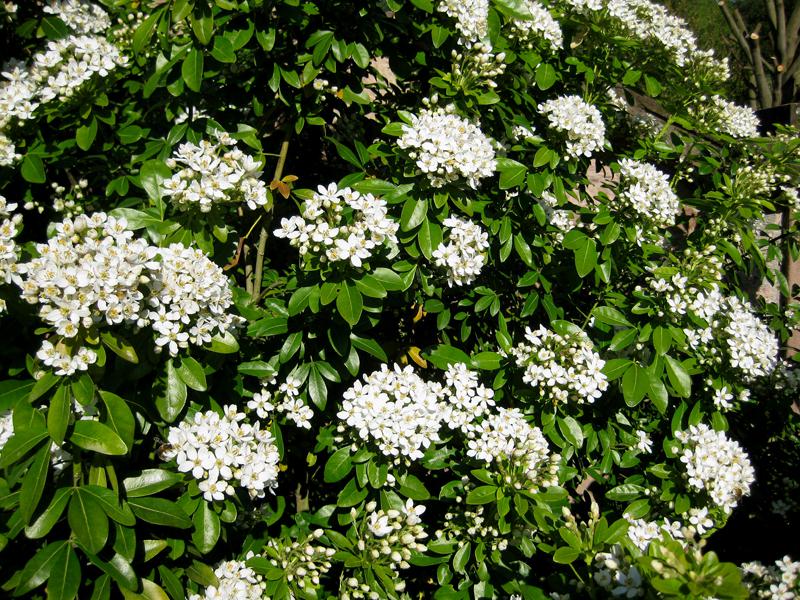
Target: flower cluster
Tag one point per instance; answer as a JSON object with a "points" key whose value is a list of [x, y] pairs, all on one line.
{"points": [[235, 580], [780, 581], [615, 574], [340, 225], [8, 151], [467, 399], [646, 191], [189, 299], [214, 174], [56, 73], [477, 64], [447, 147], [463, 256], [471, 16], [715, 465], [389, 537], [752, 346], [540, 25], [291, 405], [6, 427], [519, 450], [642, 532], [562, 219], [79, 15], [728, 117], [395, 409], [302, 563], [563, 367], [92, 273], [224, 452], [9, 228], [581, 122]]}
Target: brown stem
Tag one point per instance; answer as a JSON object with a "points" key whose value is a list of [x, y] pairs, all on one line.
{"points": [[262, 238]]}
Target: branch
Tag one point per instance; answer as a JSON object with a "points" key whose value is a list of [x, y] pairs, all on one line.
{"points": [[764, 92], [734, 27], [262, 238]]}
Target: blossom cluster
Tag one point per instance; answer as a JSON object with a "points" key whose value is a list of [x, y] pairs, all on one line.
{"points": [[520, 450], [392, 535], [752, 346], [395, 409], [297, 411], [463, 255], [224, 452], [541, 24], [646, 191], [189, 299], [780, 581], [728, 117], [615, 574], [471, 16], [715, 465], [562, 219], [79, 15], [448, 147], [339, 225], [92, 273], [642, 532], [581, 122], [213, 174], [6, 427], [303, 562], [477, 64], [466, 398], [565, 368], [9, 229], [235, 580]]}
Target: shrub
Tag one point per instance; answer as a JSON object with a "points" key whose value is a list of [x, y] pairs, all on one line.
{"points": [[486, 329]]}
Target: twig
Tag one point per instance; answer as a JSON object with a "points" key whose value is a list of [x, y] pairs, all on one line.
{"points": [[262, 238]]}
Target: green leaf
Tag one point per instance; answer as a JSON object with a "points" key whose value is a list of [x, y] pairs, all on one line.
{"points": [[611, 316], [662, 339], [390, 280], [20, 444], [120, 346], [159, 511], [523, 249], [546, 76], [119, 417], [107, 499], [414, 212], [483, 494], [192, 70], [53, 28], [268, 327], [351, 495], [172, 399], [625, 492], [542, 157], [679, 379], [412, 487], [512, 173], [33, 169], [152, 175], [369, 346], [94, 436], [65, 575], [191, 373], [223, 50], [566, 555], [429, 237], [257, 368], [443, 355], [616, 368], [317, 390], [33, 483], [658, 394], [585, 257], [461, 557], [487, 361], [45, 522], [571, 430], [118, 568], [371, 287], [349, 303], [59, 413], [652, 85], [88, 521], [635, 384], [145, 31], [38, 569], [206, 528], [338, 466], [223, 344], [85, 134], [149, 482], [299, 300]]}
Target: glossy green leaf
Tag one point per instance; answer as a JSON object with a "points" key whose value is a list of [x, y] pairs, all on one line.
{"points": [[59, 414], [206, 528], [191, 373], [192, 70], [172, 394], [160, 512], [88, 521], [349, 303], [65, 575], [33, 483], [94, 436]]}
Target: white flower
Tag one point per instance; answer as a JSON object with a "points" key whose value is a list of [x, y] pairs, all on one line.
{"points": [[447, 147], [643, 443], [737, 121], [581, 122], [646, 191], [471, 17], [540, 24], [464, 253]]}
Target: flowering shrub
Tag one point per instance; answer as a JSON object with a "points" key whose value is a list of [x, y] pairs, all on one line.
{"points": [[403, 299]]}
